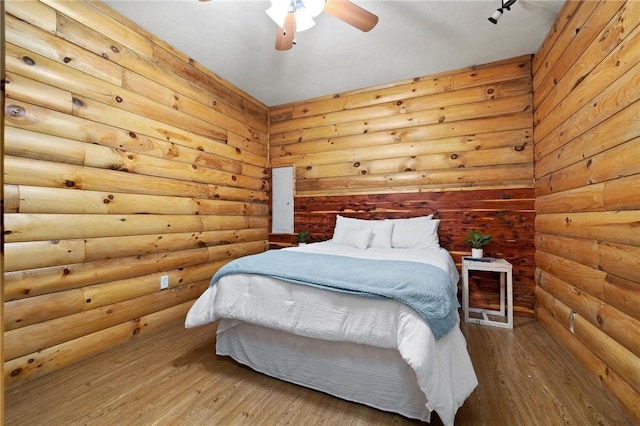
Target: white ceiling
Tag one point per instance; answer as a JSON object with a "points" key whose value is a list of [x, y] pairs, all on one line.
{"points": [[235, 39]]}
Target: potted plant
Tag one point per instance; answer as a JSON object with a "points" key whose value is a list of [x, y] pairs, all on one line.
{"points": [[476, 240], [302, 237]]}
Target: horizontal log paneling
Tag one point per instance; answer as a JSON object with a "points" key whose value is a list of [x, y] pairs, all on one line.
{"points": [[49, 333], [518, 175], [407, 143], [24, 312], [605, 196], [208, 88], [510, 69], [350, 124], [50, 359], [612, 290], [613, 98], [38, 227], [34, 199], [32, 282], [41, 254], [621, 260], [576, 90], [612, 226], [622, 328], [23, 171], [542, 60], [621, 161], [601, 21], [553, 317], [587, 167], [47, 147], [124, 161], [621, 127]]}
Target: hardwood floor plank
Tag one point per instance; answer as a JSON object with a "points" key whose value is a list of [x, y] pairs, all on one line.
{"points": [[173, 377]]}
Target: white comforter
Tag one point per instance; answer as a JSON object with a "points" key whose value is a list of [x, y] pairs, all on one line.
{"points": [[443, 367]]}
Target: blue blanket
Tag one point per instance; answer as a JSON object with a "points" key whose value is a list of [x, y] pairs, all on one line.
{"points": [[425, 288]]}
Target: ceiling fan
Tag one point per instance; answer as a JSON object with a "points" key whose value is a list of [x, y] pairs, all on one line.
{"points": [[297, 15]]}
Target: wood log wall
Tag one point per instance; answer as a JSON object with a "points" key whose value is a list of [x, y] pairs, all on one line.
{"points": [[124, 161], [587, 167], [457, 144], [2, 99]]}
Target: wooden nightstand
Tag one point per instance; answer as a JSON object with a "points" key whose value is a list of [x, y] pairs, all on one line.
{"points": [[500, 318]]}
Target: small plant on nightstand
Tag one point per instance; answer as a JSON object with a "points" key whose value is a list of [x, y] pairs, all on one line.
{"points": [[476, 240], [302, 237]]}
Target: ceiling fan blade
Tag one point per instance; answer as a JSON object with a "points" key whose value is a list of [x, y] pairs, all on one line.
{"points": [[352, 14], [284, 36]]}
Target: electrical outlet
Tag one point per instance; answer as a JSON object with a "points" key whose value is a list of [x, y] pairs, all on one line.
{"points": [[164, 282]]}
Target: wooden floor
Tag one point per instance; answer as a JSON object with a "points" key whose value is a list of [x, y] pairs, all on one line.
{"points": [[172, 377]]}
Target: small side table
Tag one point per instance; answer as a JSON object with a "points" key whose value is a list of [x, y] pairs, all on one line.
{"points": [[505, 269]]}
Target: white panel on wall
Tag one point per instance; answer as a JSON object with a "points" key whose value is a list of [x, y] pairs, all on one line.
{"points": [[282, 200]]}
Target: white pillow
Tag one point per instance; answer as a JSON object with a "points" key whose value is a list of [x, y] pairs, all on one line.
{"points": [[403, 230], [358, 238], [343, 224], [381, 230], [415, 233]]}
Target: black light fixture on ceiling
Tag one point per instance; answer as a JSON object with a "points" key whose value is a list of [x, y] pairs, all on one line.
{"points": [[498, 13]]}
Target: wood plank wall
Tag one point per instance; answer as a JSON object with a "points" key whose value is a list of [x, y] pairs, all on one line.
{"points": [[2, 99], [587, 167], [457, 144], [124, 161]]}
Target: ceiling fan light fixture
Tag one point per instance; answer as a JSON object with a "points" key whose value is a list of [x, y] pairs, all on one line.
{"points": [[278, 11], [313, 7], [305, 11], [304, 21], [293, 16]]}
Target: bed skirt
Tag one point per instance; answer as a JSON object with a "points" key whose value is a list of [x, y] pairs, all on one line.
{"points": [[373, 376]]}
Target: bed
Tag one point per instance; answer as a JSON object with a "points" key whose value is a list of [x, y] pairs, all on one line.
{"points": [[349, 317]]}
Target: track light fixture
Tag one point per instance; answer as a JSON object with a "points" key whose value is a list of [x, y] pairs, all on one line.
{"points": [[506, 5]]}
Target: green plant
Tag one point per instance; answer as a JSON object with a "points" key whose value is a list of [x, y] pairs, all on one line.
{"points": [[303, 236], [477, 240]]}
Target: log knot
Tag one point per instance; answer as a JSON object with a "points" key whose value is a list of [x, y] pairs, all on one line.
{"points": [[15, 111], [29, 61]]}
